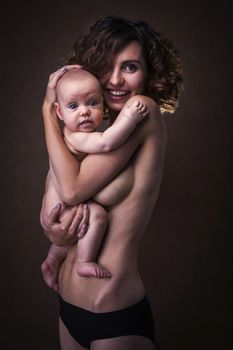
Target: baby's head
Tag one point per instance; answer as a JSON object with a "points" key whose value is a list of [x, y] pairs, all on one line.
{"points": [[77, 79], [79, 100]]}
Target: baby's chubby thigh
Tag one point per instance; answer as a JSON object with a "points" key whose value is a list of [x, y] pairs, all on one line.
{"points": [[98, 215]]}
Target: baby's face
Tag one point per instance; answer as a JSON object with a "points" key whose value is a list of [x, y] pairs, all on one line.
{"points": [[80, 104]]}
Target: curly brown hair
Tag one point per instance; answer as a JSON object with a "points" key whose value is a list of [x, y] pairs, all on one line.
{"points": [[109, 35]]}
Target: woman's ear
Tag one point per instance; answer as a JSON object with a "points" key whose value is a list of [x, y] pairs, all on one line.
{"points": [[58, 111]]}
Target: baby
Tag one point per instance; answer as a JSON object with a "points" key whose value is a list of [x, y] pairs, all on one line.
{"points": [[80, 106]]}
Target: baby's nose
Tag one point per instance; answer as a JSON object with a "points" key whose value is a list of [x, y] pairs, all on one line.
{"points": [[84, 111]]}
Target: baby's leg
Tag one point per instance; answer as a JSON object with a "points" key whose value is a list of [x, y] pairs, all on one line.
{"points": [[51, 266], [88, 246]]}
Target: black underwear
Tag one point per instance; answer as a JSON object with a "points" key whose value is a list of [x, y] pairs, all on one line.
{"points": [[86, 326]]}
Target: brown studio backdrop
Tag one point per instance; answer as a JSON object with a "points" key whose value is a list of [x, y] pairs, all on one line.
{"points": [[185, 259]]}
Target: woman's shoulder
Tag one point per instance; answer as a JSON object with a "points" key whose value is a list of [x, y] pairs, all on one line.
{"points": [[142, 98], [152, 106], [154, 125]]}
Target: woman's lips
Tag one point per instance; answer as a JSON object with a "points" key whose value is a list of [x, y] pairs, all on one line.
{"points": [[116, 95]]}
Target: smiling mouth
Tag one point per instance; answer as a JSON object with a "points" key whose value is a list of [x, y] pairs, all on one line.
{"points": [[117, 94]]}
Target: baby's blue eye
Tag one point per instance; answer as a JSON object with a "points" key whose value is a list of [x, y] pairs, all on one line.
{"points": [[92, 103], [72, 105]]}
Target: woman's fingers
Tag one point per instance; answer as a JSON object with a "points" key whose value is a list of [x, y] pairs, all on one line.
{"points": [[70, 66], [59, 72], [85, 222], [55, 76], [67, 221], [53, 216], [76, 220], [53, 80]]}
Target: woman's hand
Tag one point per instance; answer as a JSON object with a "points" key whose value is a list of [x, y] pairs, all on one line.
{"points": [[64, 226], [50, 96]]}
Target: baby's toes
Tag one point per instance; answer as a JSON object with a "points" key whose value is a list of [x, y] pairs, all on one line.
{"points": [[145, 110], [143, 107], [145, 114], [136, 104]]}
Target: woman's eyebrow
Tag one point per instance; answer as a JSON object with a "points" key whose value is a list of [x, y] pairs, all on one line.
{"points": [[132, 61]]}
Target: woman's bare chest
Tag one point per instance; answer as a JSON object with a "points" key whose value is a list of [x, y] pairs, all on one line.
{"points": [[117, 190]]}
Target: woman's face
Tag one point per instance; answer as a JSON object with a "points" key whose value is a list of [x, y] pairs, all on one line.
{"points": [[127, 77]]}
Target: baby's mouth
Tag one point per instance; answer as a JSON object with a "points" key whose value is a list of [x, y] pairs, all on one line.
{"points": [[86, 121]]}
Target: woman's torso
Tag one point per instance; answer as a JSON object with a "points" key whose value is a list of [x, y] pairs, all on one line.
{"points": [[129, 199]]}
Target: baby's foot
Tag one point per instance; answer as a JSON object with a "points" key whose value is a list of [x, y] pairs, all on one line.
{"points": [[50, 270], [91, 269], [137, 111]]}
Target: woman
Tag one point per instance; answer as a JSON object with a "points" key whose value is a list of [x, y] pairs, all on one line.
{"points": [[140, 64]]}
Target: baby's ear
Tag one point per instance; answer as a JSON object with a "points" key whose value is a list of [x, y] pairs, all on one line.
{"points": [[57, 110]]}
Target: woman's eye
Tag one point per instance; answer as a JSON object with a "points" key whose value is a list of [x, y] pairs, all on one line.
{"points": [[72, 105], [129, 67]]}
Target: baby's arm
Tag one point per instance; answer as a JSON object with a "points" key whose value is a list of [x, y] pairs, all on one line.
{"points": [[114, 136]]}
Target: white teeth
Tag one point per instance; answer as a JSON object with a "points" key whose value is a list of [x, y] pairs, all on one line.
{"points": [[118, 93]]}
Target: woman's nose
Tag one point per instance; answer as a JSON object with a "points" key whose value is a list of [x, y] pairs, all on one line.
{"points": [[115, 78]]}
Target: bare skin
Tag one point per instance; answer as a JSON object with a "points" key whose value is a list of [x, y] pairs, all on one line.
{"points": [[72, 219], [89, 245], [51, 266], [80, 105], [124, 235], [129, 218], [140, 164]]}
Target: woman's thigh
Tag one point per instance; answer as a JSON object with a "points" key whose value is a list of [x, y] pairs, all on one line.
{"points": [[67, 342], [129, 342]]}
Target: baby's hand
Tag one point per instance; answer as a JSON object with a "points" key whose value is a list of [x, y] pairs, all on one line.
{"points": [[137, 111]]}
